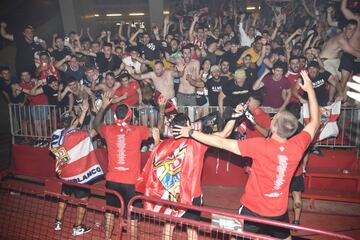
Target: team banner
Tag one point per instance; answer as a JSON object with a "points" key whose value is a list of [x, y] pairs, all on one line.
{"points": [[75, 156], [328, 120], [170, 174]]}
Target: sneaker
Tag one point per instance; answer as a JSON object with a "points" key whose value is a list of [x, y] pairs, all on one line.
{"points": [[44, 143], [296, 222], [37, 143], [58, 225], [144, 149], [80, 230]]}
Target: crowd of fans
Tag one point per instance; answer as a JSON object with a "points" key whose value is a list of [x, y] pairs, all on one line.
{"points": [[198, 60]]}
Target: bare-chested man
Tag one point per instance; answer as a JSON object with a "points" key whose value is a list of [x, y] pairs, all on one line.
{"points": [[332, 48], [349, 62], [108, 85], [189, 81], [162, 79]]}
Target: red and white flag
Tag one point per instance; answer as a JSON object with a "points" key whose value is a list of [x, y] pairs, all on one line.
{"points": [[76, 160], [328, 120]]}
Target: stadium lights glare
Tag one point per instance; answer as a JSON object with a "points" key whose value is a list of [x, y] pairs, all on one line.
{"points": [[166, 12], [136, 14], [96, 15], [250, 8], [113, 14]]}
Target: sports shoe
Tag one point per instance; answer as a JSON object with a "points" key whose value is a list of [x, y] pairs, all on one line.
{"points": [[37, 143], [43, 143], [144, 149], [80, 230], [296, 222], [58, 225]]}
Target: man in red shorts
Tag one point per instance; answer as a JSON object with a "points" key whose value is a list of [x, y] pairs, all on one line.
{"points": [[267, 190]]}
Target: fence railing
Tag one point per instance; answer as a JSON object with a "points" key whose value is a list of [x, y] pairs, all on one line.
{"points": [[29, 122], [29, 209], [31, 204], [147, 224]]}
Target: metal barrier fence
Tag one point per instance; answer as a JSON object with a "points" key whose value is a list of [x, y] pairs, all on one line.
{"points": [[145, 224], [28, 211], [40, 121]]}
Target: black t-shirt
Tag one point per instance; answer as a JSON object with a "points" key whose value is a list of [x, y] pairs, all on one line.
{"points": [[251, 75], [25, 51], [232, 59], [151, 51], [52, 95], [107, 64], [319, 85], [235, 94], [214, 88], [60, 54]]}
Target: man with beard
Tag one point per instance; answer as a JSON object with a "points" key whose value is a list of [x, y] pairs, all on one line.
{"points": [[188, 82], [250, 69], [163, 79], [214, 85], [225, 69], [234, 91], [319, 81], [71, 67], [276, 87], [293, 76]]}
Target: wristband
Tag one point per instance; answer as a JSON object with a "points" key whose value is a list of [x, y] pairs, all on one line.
{"points": [[191, 132]]}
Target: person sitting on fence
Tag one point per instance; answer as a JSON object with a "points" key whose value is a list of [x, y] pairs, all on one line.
{"points": [[74, 166], [267, 190], [123, 143]]}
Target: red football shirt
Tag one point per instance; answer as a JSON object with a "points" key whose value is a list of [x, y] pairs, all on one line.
{"points": [[267, 190], [40, 99], [124, 154], [293, 77], [132, 97]]}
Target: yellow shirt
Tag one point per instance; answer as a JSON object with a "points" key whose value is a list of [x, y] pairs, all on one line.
{"points": [[250, 51]]}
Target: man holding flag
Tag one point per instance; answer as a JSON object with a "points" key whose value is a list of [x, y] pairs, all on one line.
{"points": [[75, 162]]}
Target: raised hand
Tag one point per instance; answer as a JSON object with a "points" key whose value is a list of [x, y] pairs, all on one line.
{"points": [[106, 99], [67, 58], [356, 87], [3, 24], [307, 85], [181, 131], [180, 67]]}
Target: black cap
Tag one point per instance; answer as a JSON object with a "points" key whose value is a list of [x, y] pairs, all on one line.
{"points": [[50, 79], [210, 40], [314, 64]]}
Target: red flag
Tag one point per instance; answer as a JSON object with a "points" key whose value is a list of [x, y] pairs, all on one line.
{"points": [[75, 156], [173, 173]]}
